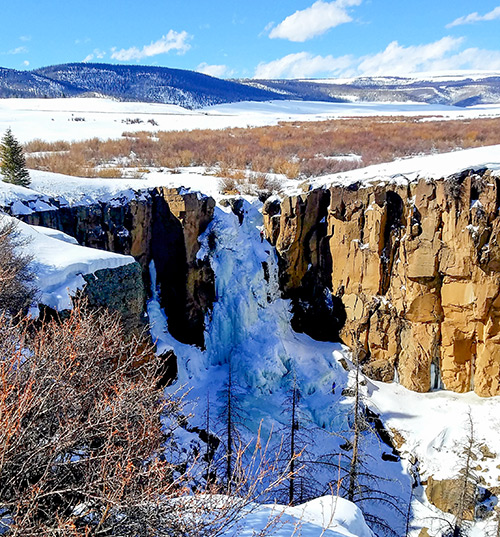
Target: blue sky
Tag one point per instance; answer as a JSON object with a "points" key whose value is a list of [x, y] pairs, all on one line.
{"points": [[262, 38]]}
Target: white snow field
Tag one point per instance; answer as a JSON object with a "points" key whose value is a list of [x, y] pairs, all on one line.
{"points": [[249, 331], [83, 118], [411, 169]]}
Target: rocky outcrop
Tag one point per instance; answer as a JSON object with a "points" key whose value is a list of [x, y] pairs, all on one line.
{"points": [[298, 228], [161, 225], [447, 495], [187, 284], [120, 289], [416, 267]]}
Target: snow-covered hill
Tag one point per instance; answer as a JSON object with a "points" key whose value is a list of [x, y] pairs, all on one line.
{"points": [[129, 83], [451, 88]]}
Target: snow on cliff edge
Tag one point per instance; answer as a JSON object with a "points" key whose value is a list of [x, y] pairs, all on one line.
{"points": [[413, 168], [59, 262]]}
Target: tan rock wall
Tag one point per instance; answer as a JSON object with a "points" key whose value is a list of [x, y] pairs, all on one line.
{"points": [[417, 268]]}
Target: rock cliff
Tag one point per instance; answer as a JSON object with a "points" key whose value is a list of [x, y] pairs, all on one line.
{"points": [[412, 268], [160, 225]]}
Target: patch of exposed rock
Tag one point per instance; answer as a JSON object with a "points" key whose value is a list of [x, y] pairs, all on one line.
{"points": [[416, 268], [120, 289], [446, 495]]}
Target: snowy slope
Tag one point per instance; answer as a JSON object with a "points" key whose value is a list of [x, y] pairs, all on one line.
{"points": [[60, 263], [328, 516], [411, 169]]}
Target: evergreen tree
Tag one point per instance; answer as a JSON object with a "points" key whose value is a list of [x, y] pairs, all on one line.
{"points": [[12, 162]]}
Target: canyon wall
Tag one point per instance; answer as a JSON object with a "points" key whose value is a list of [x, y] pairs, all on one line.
{"points": [[406, 273], [413, 268], [160, 225]]}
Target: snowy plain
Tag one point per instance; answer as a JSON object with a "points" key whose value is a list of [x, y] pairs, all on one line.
{"points": [[84, 118], [250, 320]]}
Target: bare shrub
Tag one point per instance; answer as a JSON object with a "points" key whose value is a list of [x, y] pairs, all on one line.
{"points": [[286, 167], [286, 148], [38, 146], [109, 173], [228, 185], [80, 429], [16, 277]]}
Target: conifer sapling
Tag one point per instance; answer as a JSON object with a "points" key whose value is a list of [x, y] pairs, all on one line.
{"points": [[12, 161]]}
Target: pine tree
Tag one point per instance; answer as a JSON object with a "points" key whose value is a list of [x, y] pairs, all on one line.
{"points": [[12, 162]]}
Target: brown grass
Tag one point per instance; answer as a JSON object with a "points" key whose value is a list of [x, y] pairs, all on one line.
{"points": [[295, 149]]}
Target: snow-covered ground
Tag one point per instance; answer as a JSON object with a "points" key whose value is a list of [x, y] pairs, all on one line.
{"points": [[84, 118], [327, 516], [411, 169]]}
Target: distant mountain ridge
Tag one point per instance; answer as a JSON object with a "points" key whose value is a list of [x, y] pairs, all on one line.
{"points": [[191, 89], [457, 90], [129, 83], [26, 84]]}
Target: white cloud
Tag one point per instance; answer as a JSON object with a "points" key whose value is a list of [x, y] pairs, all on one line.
{"points": [[400, 60], [395, 59], [26, 63], [303, 65], [314, 20], [25, 38], [97, 54], [475, 17], [173, 40], [472, 58], [18, 50], [218, 71]]}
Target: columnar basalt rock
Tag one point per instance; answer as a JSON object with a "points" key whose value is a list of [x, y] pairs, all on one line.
{"points": [[299, 230], [187, 284], [160, 225], [417, 267]]}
